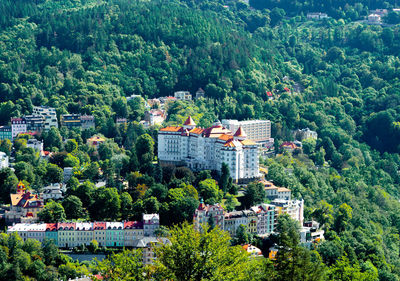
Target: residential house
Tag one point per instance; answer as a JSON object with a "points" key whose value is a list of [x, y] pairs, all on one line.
{"points": [[18, 126], [266, 218], [114, 234], [154, 117], [133, 230], [200, 93], [34, 123], [6, 133], [66, 235], [151, 222], [35, 144], [253, 251], [53, 191], [95, 141], [71, 121], [306, 133], [100, 233], [183, 95], [51, 232], [294, 208], [84, 233], [204, 213], [316, 16], [273, 192], [87, 122], [49, 114], [24, 206], [147, 245]]}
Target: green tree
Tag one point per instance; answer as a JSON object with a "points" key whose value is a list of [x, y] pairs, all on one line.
{"points": [[52, 212], [254, 194], [242, 236], [73, 207], [145, 149], [54, 174], [126, 205], [126, 265], [71, 146], [224, 180], [106, 204], [208, 255], [343, 217], [209, 191]]}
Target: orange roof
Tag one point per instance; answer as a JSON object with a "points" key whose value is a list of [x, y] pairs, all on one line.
{"points": [[248, 142], [189, 122], [197, 131], [240, 133], [171, 129], [225, 137]]}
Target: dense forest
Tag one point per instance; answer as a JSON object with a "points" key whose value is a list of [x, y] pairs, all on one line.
{"points": [[337, 76]]}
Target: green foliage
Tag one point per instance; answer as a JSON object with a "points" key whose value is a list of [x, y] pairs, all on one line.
{"points": [[52, 212], [200, 256]]}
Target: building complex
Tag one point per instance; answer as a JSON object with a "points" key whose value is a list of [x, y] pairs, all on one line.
{"points": [[74, 234], [207, 149]]}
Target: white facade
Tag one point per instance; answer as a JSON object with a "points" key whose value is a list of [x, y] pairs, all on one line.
{"points": [[34, 231], [49, 114], [18, 126], [207, 149], [35, 144], [294, 208], [256, 130], [53, 191], [3, 160], [183, 95], [151, 222], [84, 233]]}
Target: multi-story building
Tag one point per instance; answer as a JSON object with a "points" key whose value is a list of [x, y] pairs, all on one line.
{"points": [[306, 133], [35, 144], [51, 232], [256, 130], [100, 233], [114, 234], [87, 122], [3, 160], [274, 192], [26, 231], [266, 218], [204, 213], [34, 123], [202, 149], [71, 121], [133, 230], [6, 133], [24, 206], [294, 208], [49, 114], [73, 234], [53, 191], [66, 235], [233, 220], [183, 95], [84, 233], [147, 245], [18, 126], [151, 222]]}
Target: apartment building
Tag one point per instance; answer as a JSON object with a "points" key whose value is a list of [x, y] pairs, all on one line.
{"points": [[18, 126], [71, 121], [183, 95], [204, 213], [49, 114], [34, 123], [6, 133]]}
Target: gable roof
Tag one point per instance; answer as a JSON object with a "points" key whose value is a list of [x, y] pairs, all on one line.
{"points": [[189, 122]]}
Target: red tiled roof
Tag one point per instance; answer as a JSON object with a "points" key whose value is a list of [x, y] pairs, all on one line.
{"points": [[189, 122], [240, 133], [171, 129]]}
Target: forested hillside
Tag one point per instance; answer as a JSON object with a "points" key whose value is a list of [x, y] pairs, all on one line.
{"points": [[336, 76]]}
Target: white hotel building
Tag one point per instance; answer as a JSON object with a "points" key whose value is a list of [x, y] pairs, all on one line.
{"points": [[207, 149], [256, 130]]}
